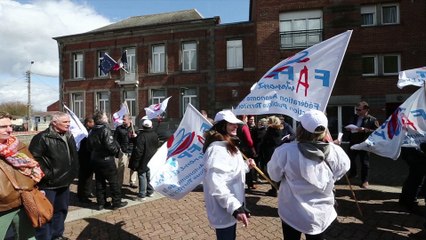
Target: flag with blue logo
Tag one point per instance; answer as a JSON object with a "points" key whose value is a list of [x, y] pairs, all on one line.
{"points": [[178, 166], [299, 83], [405, 127]]}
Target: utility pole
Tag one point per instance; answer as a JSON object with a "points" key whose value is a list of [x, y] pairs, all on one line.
{"points": [[29, 97]]}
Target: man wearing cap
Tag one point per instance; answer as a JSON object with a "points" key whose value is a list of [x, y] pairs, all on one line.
{"points": [[307, 169], [366, 124], [145, 147]]}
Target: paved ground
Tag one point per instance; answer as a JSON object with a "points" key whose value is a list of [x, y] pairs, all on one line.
{"points": [[163, 218]]}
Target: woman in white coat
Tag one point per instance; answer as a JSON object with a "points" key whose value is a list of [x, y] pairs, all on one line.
{"points": [[308, 169], [225, 176]]}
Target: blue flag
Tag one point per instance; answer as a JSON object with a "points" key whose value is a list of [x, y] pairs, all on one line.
{"points": [[107, 63]]}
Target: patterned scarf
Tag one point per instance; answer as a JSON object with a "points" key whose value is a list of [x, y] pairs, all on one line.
{"points": [[19, 160]]}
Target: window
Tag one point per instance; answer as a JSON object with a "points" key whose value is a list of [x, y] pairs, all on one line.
{"points": [[158, 59], [157, 96], [234, 54], [77, 104], [369, 65], [102, 102], [300, 29], [131, 65], [379, 65], [78, 65], [391, 64], [390, 14], [130, 99], [381, 14], [189, 95], [100, 56], [368, 15], [189, 56]]}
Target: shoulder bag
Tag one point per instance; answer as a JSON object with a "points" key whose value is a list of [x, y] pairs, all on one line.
{"points": [[38, 208]]}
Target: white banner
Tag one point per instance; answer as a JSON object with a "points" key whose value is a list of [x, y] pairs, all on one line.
{"points": [[76, 127], [178, 166], [406, 126], [156, 109], [299, 83], [415, 77], [117, 117]]}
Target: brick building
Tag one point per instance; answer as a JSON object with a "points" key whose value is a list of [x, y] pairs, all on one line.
{"points": [[213, 65]]}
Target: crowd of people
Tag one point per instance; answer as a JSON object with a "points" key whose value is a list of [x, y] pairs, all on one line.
{"points": [[303, 166], [52, 161]]}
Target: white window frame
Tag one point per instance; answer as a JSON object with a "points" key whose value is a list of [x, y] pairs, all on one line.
{"points": [[103, 104], [131, 64], [369, 10], [379, 64], [158, 64], [131, 101], [297, 29], [379, 14], [78, 65], [383, 64], [375, 58], [189, 56], [234, 54], [189, 95], [157, 97], [77, 104], [396, 5], [100, 56]]}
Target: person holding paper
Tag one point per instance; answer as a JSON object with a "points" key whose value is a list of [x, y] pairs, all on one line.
{"points": [[225, 176], [361, 126]]}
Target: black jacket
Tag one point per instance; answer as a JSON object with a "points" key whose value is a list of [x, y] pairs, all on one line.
{"points": [[121, 135], [102, 144], [369, 122], [58, 159], [145, 147]]}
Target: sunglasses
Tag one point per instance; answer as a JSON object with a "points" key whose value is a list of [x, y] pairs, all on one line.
{"points": [[358, 109]]}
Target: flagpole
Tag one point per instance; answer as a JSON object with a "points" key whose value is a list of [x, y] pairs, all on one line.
{"points": [[353, 194], [262, 174]]}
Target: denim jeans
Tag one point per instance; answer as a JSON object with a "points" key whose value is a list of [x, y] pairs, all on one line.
{"points": [[145, 188], [60, 199]]}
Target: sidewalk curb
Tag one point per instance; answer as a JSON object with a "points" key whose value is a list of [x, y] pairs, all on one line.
{"points": [[82, 213]]}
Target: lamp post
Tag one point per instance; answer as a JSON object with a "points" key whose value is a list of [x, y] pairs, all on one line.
{"points": [[29, 97]]}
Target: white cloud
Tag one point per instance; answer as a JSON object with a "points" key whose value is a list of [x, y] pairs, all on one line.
{"points": [[27, 35]]}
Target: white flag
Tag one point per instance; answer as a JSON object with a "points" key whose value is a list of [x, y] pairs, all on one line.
{"points": [[155, 110], [117, 117], [416, 77], [299, 83], [178, 166], [76, 127], [406, 126]]}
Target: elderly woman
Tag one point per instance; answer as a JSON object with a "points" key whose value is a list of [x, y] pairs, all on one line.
{"points": [[308, 169], [16, 160], [225, 176]]}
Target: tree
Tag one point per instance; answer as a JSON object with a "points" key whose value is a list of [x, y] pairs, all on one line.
{"points": [[16, 109]]}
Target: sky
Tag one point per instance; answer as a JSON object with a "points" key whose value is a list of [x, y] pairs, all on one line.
{"points": [[28, 28]]}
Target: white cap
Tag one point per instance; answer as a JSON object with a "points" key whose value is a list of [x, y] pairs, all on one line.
{"points": [[228, 116], [312, 119], [147, 123]]}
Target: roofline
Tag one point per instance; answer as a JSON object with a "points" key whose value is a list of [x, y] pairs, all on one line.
{"points": [[215, 19]]}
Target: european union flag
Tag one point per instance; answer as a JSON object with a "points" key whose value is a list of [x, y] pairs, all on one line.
{"points": [[107, 63]]}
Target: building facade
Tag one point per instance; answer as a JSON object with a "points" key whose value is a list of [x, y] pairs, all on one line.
{"points": [[212, 66]]}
